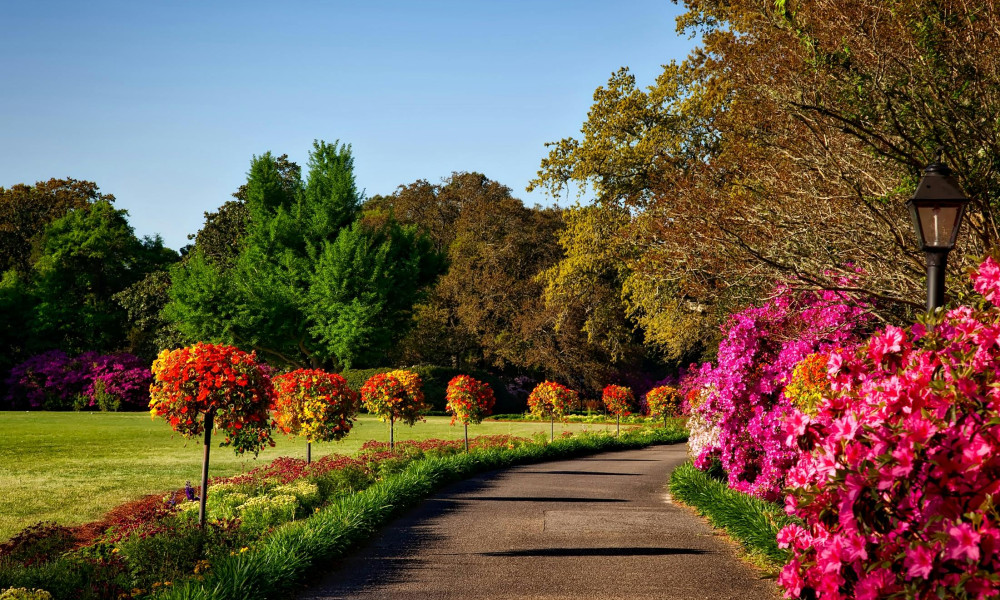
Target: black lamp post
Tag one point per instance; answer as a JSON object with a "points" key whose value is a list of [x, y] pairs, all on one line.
{"points": [[937, 208]]}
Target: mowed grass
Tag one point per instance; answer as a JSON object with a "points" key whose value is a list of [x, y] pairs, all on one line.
{"points": [[72, 468]]}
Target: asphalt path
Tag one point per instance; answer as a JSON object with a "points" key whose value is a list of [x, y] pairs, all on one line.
{"points": [[599, 527]]}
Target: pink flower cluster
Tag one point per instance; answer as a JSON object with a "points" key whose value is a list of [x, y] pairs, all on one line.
{"points": [[743, 392], [899, 476]]}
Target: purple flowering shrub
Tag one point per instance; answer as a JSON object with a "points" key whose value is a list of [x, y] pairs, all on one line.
{"points": [[899, 478], [55, 381], [740, 399]]}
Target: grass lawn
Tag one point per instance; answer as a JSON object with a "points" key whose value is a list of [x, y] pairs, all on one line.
{"points": [[73, 467]]}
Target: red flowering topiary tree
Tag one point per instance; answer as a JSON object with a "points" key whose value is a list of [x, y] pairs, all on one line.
{"points": [[619, 400], [663, 401], [552, 399], [395, 396], [207, 386], [317, 405], [469, 401]]}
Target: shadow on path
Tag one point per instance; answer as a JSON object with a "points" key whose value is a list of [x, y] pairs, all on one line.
{"points": [[596, 552], [538, 499], [581, 473]]}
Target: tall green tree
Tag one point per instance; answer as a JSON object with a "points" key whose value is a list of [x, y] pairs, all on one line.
{"points": [[295, 232], [26, 210], [366, 284], [85, 258]]}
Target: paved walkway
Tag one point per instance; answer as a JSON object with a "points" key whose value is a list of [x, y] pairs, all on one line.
{"points": [[600, 527]]}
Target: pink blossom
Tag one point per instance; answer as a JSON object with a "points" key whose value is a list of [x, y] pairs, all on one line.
{"points": [[963, 542], [919, 561]]}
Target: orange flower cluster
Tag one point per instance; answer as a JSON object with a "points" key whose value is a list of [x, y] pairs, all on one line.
{"points": [[809, 384], [469, 400], [395, 396], [315, 404], [663, 401], [191, 382], [551, 398], [618, 399]]}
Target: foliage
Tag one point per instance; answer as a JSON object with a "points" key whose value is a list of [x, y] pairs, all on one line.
{"points": [[55, 381], [663, 401], [784, 146], [618, 400], [24, 594], [147, 332], [395, 396], [84, 259], [314, 404], [754, 523], [26, 210], [898, 482], [204, 378], [300, 278], [742, 394], [551, 399], [469, 400], [366, 283]]}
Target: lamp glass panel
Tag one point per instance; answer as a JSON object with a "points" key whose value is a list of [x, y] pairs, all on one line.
{"points": [[938, 224]]}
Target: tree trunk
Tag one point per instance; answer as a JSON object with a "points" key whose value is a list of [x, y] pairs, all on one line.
{"points": [[209, 423]]}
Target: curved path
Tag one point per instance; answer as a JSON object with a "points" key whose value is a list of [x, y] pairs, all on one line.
{"points": [[599, 527]]}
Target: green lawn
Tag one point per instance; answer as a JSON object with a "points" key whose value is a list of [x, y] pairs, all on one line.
{"points": [[72, 467]]}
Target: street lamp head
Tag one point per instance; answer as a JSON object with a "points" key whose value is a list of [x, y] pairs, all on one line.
{"points": [[937, 208]]}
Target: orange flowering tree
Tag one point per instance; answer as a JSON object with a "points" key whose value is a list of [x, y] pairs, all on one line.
{"points": [[469, 401], [552, 399], [317, 405], [207, 386], [663, 401], [619, 400], [395, 396]]}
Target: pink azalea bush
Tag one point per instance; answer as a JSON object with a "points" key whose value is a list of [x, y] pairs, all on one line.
{"points": [[899, 476], [741, 405]]}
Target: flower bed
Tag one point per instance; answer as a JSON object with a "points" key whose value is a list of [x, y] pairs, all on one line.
{"points": [[144, 546]]}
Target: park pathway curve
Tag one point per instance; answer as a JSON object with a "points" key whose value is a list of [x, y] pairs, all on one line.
{"points": [[600, 527]]}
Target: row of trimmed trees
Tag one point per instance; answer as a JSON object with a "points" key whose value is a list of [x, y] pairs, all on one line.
{"points": [[199, 388]]}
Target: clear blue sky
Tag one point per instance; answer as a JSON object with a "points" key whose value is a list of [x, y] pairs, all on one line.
{"points": [[163, 104]]}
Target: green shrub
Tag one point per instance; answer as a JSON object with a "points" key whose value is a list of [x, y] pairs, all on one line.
{"points": [[263, 512], [24, 594], [343, 481], [305, 493]]}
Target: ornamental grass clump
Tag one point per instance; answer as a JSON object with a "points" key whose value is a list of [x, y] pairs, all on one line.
{"points": [[204, 386], [899, 478], [314, 404], [469, 401], [395, 396], [551, 399], [618, 400]]}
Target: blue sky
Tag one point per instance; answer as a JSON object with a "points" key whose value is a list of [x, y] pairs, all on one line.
{"points": [[163, 104]]}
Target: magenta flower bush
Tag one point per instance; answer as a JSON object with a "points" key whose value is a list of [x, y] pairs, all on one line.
{"points": [[900, 474], [741, 405], [55, 381]]}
